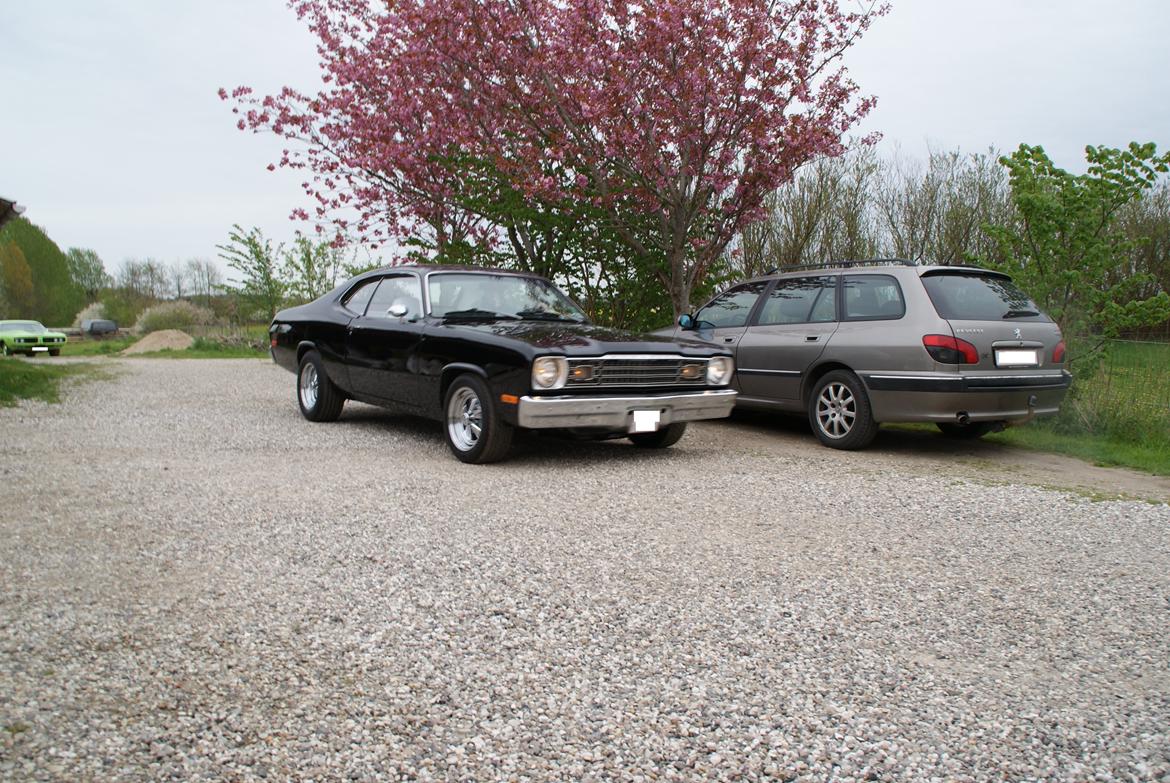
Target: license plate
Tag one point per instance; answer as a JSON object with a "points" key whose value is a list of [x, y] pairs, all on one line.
{"points": [[39, 348], [645, 421], [1017, 359]]}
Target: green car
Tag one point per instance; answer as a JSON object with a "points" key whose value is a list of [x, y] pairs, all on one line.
{"points": [[29, 337]]}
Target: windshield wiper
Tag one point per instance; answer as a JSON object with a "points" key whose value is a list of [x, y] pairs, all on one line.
{"points": [[1020, 313], [475, 312], [546, 315]]}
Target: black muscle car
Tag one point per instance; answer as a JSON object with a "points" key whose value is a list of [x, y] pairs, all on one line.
{"points": [[485, 351]]}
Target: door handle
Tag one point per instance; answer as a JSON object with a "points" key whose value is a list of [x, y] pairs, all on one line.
{"points": [[728, 339], [811, 338]]}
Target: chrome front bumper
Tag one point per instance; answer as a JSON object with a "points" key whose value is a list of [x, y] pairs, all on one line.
{"points": [[616, 412]]}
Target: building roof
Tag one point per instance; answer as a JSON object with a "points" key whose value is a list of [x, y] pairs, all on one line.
{"points": [[8, 210]]}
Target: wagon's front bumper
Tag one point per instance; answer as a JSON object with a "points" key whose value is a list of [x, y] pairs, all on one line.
{"points": [[616, 413]]}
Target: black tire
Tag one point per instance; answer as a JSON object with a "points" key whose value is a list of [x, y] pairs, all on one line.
{"points": [[317, 397], [54, 352], [4, 349], [839, 411], [472, 424], [660, 439], [972, 431]]}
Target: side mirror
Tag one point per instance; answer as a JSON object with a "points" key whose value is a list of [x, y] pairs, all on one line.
{"points": [[397, 310], [686, 321]]}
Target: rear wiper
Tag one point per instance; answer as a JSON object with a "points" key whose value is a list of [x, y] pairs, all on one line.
{"points": [[545, 315], [475, 312], [1020, 313]]}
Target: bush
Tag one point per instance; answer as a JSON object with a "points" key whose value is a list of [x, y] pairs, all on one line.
{"points": [[173, 315], [93, 312]]}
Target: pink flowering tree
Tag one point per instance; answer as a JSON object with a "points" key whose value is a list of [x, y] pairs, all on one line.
{"points": [[465, 123]]}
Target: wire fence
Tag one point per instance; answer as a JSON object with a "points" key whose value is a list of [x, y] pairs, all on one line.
{"points": [[1127, 393]]}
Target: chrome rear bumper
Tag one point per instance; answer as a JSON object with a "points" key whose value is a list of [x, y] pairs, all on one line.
{"points": [[615, 412]]}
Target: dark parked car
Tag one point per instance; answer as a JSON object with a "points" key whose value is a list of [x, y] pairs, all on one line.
{"points": [[487, 351], [98, 327], [861, 343]]}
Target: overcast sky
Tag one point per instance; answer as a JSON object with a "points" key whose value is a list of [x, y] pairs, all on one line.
{"points": [[113, 138]]}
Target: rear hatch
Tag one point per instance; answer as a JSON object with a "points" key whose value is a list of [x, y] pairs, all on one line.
{"points": [[1010, 335]]}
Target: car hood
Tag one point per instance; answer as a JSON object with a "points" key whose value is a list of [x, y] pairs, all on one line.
{"points": [[580, 339]]}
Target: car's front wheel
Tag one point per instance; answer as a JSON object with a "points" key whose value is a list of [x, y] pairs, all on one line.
{"points": [[660, 439], [475, 432], [4, 349], [54, 352], [839, 411], [317, 396]]}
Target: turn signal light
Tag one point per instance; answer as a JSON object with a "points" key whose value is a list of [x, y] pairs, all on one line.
{"points": [[950, 350], [1058, 353]]}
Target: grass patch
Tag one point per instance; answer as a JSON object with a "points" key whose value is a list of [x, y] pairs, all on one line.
{"points": [[36, 380], [106, 347], [1151, 455], [207, 348]]}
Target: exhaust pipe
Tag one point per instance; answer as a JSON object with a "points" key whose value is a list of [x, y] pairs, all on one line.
{"points": [[962, 418]]}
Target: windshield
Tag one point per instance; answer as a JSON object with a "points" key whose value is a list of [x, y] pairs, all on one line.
{"points": [[494, 297], [21, 326], [975, 297]]}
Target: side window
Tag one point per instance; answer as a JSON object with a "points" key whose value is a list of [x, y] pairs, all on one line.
{"points": [[872, 298], [800, 301], [732, 308], [403, 290], [360, 297]]}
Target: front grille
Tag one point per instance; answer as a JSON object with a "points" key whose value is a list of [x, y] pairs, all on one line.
{"points": [[26, 340], [637, 371], [54, 340]]}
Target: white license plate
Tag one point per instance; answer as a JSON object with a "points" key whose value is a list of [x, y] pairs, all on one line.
{"points": [[39, 348], [645, 421], [1017, 358]]}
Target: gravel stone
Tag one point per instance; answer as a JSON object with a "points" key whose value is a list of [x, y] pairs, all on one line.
{"points": [[201, 585]]}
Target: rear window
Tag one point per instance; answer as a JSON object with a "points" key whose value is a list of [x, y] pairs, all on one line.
{"points": [[974, 297]]}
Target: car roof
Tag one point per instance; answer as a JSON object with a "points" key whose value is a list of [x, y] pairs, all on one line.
{"points": [[873, 265], [428, 268]]}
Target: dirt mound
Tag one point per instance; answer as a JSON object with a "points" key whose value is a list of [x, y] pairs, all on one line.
{"points": [[166, 339]]}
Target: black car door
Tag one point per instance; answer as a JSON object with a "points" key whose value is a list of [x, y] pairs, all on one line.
{"points": [[383, 343]]}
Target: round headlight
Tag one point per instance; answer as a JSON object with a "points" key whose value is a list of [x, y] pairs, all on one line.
{"points": [[719, 370], [550, 372]]}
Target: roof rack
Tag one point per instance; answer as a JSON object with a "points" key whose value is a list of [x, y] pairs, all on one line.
{"points": [[841, 265]]}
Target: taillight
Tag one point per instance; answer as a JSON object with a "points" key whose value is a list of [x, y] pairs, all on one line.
{"points": [[272, 342], [1058, 353], [950, 350]]}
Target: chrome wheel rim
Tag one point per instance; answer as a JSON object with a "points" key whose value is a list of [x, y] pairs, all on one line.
{"points": [[464, 419], [308, 386], [836, 410]]}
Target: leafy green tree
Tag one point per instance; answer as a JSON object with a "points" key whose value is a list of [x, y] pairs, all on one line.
{"points": [[311, 269], [56, 298], [88, 272], [257, 261], [1069, 248], [16, 289]]}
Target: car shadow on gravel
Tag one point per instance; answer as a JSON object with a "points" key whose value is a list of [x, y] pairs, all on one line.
{"points": [[900, 441], [528, 446]]}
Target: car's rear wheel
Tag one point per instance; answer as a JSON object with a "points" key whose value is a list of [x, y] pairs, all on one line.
{"points": [[4, 349], [475, 432], [317, 396], [839, 411], [972, 431], [660, 439]]}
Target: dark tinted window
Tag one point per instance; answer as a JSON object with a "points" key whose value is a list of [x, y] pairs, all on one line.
{"points": [[872, 298], [973, 297], [360, 296], [732, 308], [800, 301], [405, 290]]}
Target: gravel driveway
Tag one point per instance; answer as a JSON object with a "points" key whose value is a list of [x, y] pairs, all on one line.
{"points": [[200, 585]]}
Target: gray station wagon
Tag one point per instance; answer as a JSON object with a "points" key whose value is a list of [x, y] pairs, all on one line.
{"points": [[862, 343]]}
